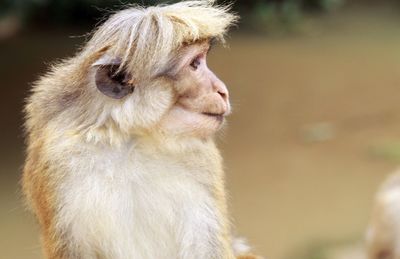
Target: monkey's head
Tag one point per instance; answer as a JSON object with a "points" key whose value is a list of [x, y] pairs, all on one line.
{"points": [[187, 98], [147, 71]]}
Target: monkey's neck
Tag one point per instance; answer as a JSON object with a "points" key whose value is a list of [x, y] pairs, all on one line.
{"points": [[184, 149]]}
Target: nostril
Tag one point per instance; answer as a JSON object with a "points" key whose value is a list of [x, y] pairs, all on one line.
{"points": [[223, 95]]}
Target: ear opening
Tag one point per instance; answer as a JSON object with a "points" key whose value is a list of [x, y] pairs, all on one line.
{"points": [[111, 80]]}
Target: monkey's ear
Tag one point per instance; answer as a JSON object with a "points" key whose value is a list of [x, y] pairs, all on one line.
{"points": [[110, 81]]}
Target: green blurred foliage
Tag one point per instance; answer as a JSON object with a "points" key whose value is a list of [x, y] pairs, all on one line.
{"points": [[90, 11], [61, 11], [266, 15], [388, 151]]}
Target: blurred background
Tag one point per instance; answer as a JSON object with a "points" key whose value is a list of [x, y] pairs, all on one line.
{"points": [[315, 86]]}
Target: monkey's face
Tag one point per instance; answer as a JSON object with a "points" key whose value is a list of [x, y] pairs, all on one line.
{"points": [[185, 99], [202, 99]]}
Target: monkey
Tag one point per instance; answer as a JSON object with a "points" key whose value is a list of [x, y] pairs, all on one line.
{"points": [[121, 160], [383, 233]]}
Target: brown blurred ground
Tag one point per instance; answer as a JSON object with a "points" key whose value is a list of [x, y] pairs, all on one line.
{"points": [[311, 114]]}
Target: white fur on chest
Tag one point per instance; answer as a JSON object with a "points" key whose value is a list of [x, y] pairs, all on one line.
{"points": [[128, 204]]}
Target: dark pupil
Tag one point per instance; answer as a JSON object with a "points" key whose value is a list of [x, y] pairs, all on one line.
{"points": [[195, 63]]}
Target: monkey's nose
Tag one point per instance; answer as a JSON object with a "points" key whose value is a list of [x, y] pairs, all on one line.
{"points": [[220, 88], [223, 94]]}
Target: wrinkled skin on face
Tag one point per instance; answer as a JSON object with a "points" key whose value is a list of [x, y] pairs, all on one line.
{"points": [[202, 98]]}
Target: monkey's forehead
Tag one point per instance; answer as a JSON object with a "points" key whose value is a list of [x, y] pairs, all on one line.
{"points": [[183, 53], [145, 38], [201, 44]]}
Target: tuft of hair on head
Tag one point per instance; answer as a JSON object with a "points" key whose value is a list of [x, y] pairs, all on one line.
{"points": [[144, 39]]}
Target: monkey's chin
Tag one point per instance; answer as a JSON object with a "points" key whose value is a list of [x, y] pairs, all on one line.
{"points": [[180, 121], [219, 117]]}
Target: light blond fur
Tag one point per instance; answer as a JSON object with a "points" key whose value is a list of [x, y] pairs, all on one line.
{"points": [[383, 236], [133, 34], [104, 177]]}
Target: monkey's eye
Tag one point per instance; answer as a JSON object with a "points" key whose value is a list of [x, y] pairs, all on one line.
{"points": [[195, 63]]}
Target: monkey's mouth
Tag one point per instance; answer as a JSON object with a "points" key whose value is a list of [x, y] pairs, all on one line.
{"points": [[217, 116]]}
